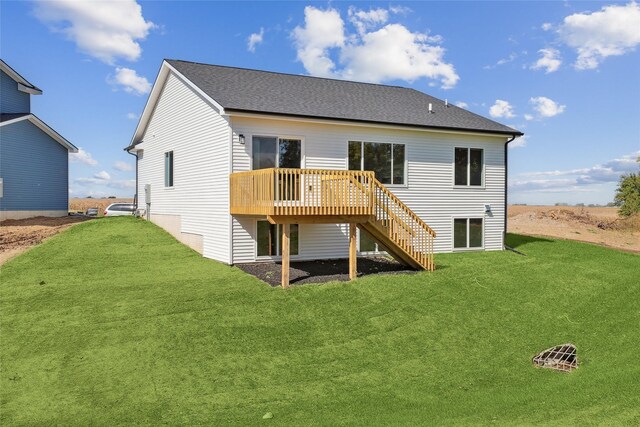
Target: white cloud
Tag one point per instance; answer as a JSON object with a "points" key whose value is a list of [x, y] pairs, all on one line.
{"points": [[111, 183], [549, 60], [393, 52], [574, 179], [400, 10], [132, 116], [546, 107], [501, 109], [255, 39], [612, 31], [131, 81], [323, 29], [512, 56], [529, 117], [462, 104], [122, 166], [546, 26], [106, 30], [520, 141], [364, 21], [82, 156], [102, 175], [371, 54]]}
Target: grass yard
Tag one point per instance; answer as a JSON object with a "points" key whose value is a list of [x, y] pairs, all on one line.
{"points": [[113, 322]]}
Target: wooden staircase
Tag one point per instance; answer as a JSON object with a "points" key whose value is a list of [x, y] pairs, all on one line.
{"points": [[399, 230], [315, 196]]}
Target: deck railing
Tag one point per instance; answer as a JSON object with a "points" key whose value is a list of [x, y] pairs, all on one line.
{"points": [[280, 191], [402, 226], [340, 193]]}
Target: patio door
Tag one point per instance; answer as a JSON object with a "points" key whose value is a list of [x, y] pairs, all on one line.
{"points": [[272, 152]]}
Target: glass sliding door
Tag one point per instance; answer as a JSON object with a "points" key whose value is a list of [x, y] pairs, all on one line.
{"points": [[289, 153], [289, 156], [264, 152], [274, 152], [271, 152], [269, 239]]}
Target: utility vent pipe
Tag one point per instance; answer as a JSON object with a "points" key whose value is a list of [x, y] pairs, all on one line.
{"points": [[430, 108]]}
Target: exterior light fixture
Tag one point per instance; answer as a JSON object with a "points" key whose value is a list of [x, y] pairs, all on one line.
{"points": [[241, 139]]}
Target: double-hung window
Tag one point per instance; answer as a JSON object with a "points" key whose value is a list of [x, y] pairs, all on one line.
{"points": [[467, 233], [385, 159], [168, 169], [469, 167]]}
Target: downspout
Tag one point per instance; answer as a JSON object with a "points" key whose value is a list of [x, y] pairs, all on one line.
{"points": [[506, 174], [135, 197]]}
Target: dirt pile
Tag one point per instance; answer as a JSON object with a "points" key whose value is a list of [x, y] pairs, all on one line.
{"points": [[595, 225], [631, 223], [17, 235]]}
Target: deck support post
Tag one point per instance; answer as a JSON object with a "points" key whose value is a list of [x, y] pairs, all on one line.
{"points": [[285, 254], [353, 259]]}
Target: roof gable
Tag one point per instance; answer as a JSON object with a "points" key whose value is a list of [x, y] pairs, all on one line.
{"points": [[23, 84], [9, 119]]}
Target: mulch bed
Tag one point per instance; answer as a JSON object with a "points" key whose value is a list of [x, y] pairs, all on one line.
{"points": [[322, 271]]}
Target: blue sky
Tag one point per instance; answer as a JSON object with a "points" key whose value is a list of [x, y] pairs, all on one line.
{"points": [[565, 73]]}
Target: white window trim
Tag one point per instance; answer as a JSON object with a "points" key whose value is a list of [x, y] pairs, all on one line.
{"points": [[406, 161], [467, 248], [258, 258], [173, 171], [249, 144], [484, 169], [377, 252]]}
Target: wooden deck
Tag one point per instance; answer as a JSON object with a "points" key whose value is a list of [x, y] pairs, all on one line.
{"points": [[295, 196]]}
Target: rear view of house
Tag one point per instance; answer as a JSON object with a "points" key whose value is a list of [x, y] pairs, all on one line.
{"points": [[245, 165], [34, 158]]}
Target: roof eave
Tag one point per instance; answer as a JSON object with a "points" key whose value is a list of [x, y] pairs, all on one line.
{"points": [[23, 84], [46, 129], [231, 111]]}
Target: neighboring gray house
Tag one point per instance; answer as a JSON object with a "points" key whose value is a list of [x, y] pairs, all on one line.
{"points": [[246, 165], [34, 159]]}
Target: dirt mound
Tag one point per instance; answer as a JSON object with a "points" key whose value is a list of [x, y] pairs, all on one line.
{"points": [[17, 235], [595, 225], [631, 223]]}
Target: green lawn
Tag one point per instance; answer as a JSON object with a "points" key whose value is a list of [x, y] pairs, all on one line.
{"points": [[114, 322]]}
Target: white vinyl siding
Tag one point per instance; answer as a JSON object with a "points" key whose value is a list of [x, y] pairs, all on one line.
{"points": [[187, 125], [429, 188]]}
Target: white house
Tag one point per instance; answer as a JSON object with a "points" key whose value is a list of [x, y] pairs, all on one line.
{"points": [[239, 164]]}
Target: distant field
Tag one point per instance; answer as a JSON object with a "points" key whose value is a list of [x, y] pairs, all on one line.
{"points": [[594, 225], [84, 204], [600, 212]]}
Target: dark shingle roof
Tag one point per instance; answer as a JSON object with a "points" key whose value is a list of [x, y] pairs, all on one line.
{"points": [[240, 89], [5, 117]]}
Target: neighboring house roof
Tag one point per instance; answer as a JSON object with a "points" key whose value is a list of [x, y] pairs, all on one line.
{"points": [[23, 84], [241, 90], [5, 117], [9, 119]]}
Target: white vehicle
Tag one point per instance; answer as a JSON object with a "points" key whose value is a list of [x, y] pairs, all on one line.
{"points": [[120, 209]]}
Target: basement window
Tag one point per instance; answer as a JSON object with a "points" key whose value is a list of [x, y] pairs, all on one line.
{"points": [[467, 233], [469, 165]]}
